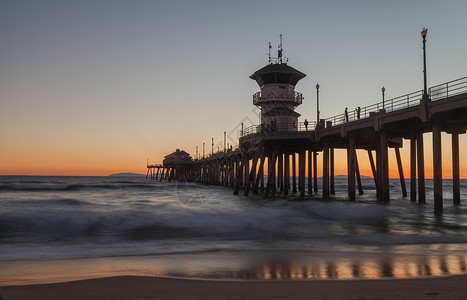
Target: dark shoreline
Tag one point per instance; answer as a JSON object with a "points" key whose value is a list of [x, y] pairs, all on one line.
{"points": [[145, 287]]}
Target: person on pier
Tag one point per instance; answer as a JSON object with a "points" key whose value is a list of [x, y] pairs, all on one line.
{"points": [[346, 115]]}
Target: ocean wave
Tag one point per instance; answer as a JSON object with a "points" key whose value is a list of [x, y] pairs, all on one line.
{"points": [[72, 187], [38, 186], [349, 211], [410, 239]]}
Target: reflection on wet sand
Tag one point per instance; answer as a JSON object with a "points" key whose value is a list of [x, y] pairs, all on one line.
{"points": [[398, 262], [363, 269]]}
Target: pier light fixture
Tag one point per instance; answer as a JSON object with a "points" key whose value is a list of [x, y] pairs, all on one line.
{"points": [[317, 104], [383, 90], [425, 93], [424, 32]]}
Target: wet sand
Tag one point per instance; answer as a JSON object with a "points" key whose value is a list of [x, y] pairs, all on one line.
{"points": [[141, 287]]}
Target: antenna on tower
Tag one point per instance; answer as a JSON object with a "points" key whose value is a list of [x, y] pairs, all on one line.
{"points": [[269, 54], [279, 51]]}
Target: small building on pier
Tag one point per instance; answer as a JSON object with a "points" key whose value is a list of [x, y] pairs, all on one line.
{"points": [[177, 157]]}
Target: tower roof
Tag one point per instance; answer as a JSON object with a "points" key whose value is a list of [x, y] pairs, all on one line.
{"points": [[277, 73]]}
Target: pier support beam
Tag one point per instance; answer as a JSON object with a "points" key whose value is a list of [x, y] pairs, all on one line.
{"points": [[315, 171], [359, 179], [456, 192], [239, 173], [401, 171], [421, 169], [378, 171], [286, 173], [331, 170], [280, 171], [301, 172], [260, 176], [271, 171], [326, 170], [310, 177], [251, 176], [437, 169], [351, 169], [384, 172], [294, 174], [373, 168], [413, 169]]}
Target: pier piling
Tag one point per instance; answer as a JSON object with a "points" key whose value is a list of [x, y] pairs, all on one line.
{"points": [[413, 169], [456, 198], [437, 169], [421, 169]]}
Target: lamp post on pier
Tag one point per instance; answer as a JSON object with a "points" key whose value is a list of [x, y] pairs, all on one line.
{"points": [[383, 90], [317, 105], [425, 93]]}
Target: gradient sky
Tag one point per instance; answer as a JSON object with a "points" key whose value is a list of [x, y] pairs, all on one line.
{"points": [[97, 87]]}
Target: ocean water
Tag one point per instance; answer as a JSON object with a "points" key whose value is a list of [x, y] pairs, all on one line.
{"points": [[61, 228]]}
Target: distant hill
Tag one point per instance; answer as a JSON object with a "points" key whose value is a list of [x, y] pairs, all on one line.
{"points": [[126, 174]]}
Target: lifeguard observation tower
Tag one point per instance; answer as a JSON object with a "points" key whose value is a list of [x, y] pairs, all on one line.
{"points": [[278, 98]]}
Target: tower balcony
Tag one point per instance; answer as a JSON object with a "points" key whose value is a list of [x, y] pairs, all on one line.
{"points": [[283, 96]]}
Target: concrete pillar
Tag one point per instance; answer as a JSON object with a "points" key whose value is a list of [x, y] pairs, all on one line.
{"points": [[247, 170], [373, 168], [331, 171], [251, 176], [274, 172], [378, 171], [262, 180], [401, 171], [351, 169], [384, 168], [260, 173], [359, 179], [310, 177], [413, 169], [456, 192], [271, 170], [294, 174], [315, 171], [280, 171], [421, 169], [286, 173], [239, 175], [437, 169], [301, 172], [326, 170]]}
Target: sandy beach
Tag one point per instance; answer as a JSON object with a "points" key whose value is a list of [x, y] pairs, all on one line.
{"points": [[139, 287]]}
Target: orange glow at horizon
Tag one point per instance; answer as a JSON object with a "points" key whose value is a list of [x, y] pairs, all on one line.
{"points": [[98, 161]]}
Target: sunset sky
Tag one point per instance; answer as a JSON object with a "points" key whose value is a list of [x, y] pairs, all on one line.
{"points": [[98, 87]]}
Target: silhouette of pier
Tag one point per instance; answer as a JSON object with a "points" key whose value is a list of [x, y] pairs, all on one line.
{"points": [[276, 152], [285, 149]]}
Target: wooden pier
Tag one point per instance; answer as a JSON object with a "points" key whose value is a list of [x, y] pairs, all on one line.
{"points": [[280, 142], [376, 130]]}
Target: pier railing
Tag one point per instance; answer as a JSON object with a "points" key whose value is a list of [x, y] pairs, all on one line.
{"points": [[279, 128], [448, 89], [289, 96], [437, 92], [394, 104]]}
